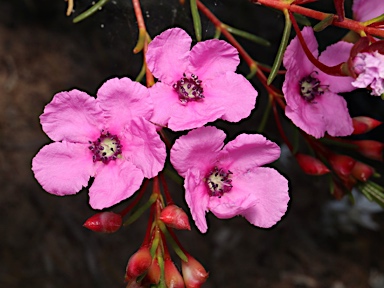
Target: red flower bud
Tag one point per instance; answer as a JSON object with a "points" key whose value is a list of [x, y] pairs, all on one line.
{"points": [[342, 164], [175, 217], [193, 272], [311, 165], [370, 149], [364, 124], [338, 192], [138, 263], [172, 276], [154, 273], [105, 222], [362, 171], [134, 284]]}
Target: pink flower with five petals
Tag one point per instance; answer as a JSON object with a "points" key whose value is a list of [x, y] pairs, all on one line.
{"points": [[313, 104], [229, 180], [196, 86], [108, 138]]}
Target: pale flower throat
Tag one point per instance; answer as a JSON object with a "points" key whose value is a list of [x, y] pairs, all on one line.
{"points": [[310, 87], [106, 148], [189, 89], [218, 181]]}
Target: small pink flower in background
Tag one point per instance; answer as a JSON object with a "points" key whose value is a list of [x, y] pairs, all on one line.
{"points": [[229, 181], [364, 10], [196, 86], [369, 66], [107, 138], [313, 104]]}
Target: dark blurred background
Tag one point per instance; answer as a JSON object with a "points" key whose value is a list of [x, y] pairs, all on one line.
{"points": [[42, 241]]}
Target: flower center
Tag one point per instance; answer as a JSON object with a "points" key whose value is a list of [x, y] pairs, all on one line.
{"points": [[218, 181], [106, 148], [310, 87], [189, 89]]}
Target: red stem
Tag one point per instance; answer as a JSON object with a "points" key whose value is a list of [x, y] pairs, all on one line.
{"points": [[168, 197], [142, 29], [137, 199], [280, 127], [347, 23], [148, 238], [334, 70], [139, 14], [165, 139]]}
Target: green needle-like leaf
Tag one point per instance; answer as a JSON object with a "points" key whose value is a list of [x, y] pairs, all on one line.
{"points": [[141, 74], [196, 19], [172, 242], [323, 23], [302, 19], [141, 210], [280, 52], [263, 121], [90, 11], [247, 35]]}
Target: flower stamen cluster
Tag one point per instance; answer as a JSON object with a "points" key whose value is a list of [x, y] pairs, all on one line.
{"points": [[106, 148], [310, 87], [218, 181], [189, 89]]}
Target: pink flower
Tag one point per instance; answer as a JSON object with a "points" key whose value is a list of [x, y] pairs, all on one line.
{"points": [[107, 138], [369, 66], [196, 86], [311, 95], [364, 10], [229, 181]]}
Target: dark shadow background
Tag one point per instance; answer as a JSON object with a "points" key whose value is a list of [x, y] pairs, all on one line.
{"points": [[42, 241]]}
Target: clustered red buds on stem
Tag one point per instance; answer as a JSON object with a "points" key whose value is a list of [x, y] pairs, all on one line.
{"points": [[138, 263], [175, 217], [364, 124], [193, 272], [362, 172], [311, 165], [151, 264], [369, 148], [104, 222], [342, 164], [173, 278], [154, 272]]}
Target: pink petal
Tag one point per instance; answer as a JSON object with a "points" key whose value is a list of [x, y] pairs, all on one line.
{"points": [[63, 168], [246, 152], [114, 182], [232, 203], [334, 55], [234, 93], [170, 111], [212, 58], [122, 100], [338, 122], [291, 89], [197, 198], [72, 116], [195, 114], [364, 10], [308, 116], [198, 149], [270, 190], [165, 100], [168, 55], [294, 54], [143, 146], [328, 113]]}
